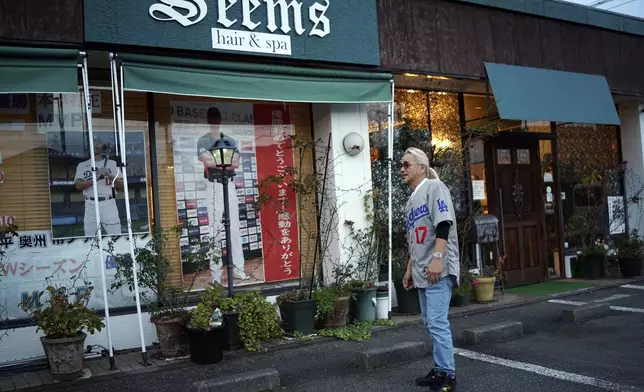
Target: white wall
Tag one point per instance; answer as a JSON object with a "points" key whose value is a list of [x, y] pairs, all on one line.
{"points": [[633, 152], [349, 177]]}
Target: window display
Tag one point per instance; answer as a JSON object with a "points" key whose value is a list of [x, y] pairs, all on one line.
{"points": [[265, 236], [46, 193]]}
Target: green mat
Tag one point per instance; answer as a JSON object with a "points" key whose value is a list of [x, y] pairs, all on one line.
{"points": [[547, 288]]}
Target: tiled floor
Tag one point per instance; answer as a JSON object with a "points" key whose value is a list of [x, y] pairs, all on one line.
{"points": [[130, 362]]}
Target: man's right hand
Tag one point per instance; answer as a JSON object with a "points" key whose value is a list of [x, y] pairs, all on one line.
{"points": [[408, 282]]}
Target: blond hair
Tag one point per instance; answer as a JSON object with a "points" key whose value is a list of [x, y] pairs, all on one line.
{"points": [[422, 160]]}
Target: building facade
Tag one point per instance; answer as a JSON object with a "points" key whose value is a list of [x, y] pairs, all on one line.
{"points": [[164, 81], [530, 114], [542, 101]]}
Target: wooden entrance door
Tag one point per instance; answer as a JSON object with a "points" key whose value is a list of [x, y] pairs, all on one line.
{"points": [[517, 174]]}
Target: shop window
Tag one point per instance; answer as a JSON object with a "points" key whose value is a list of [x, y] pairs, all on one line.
{"points": [[44, 154], [419, 114], [266, 232], [589, 164]]}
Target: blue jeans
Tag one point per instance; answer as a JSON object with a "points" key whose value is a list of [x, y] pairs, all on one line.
{"points": [[434, 308]]}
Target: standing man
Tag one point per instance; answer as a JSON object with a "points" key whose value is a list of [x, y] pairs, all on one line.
{"points": [[105, 182], [215, 199], [433, 265]]}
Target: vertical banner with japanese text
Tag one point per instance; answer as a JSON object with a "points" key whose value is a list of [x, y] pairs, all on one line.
{"points": [[273, 132]]}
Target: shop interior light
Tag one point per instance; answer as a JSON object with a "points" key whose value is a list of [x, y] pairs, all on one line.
{"points": [[411, 75], [223, 151], [438, 77]]}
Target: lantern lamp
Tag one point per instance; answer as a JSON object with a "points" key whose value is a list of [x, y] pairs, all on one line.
{"points": [[223, 151]]}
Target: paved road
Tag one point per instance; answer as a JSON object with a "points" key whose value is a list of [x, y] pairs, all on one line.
{"points": [[598, 355]]}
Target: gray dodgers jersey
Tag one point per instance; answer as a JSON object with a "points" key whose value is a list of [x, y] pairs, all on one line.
{"points": [[431, 204]]}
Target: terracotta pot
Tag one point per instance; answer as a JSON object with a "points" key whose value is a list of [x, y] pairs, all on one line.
{"points": [[172, 338], [338, 318], [484, 289], [66, 356]]}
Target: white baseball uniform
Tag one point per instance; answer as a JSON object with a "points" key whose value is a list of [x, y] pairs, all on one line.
{"points": [[109, 213]]}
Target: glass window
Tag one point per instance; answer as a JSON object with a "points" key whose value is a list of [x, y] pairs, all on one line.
{"points": [[523, 156], [272, 139], [589, 164], [504, 156], [418, 114], [46, 190]]}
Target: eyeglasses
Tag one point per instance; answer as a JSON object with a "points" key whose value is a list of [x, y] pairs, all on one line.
{"points": [[406, 165]]}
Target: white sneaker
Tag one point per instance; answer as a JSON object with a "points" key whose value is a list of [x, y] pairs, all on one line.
{"points": [[239, 274]]}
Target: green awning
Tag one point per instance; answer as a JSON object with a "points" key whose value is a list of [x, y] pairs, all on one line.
{"points": [[252, 81], [38, 70], [535, 94]]}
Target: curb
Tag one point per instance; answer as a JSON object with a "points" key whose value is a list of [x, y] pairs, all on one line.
{"points": [[494, 332], [398, 353], [255, 381], [585, 312]]}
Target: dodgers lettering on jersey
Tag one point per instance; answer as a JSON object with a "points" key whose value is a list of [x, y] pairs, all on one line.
{"points": [[104, 186], [416, 214]]}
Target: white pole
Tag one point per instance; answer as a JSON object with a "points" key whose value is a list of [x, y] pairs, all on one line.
{"points": [[120, 120], [99, 233], [390, 153]]}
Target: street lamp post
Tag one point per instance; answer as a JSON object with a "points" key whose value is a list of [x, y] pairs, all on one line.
{"points": [[223, 151]]}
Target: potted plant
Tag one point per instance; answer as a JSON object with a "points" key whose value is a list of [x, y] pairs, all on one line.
{"points": [[258, 318], [297, 310], [484, 284], [333, 304], [591, 259], [630, 254], [64, 317], [461, 294], [166, 303], [205, 330]]}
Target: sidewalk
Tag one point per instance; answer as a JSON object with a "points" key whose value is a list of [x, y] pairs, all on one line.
{"points": [[130, 364]]}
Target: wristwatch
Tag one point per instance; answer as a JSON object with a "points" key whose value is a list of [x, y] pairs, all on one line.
{"points": [[437, 255]]}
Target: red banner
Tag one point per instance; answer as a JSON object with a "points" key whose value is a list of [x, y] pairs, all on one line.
{"points": [[280, 234]]}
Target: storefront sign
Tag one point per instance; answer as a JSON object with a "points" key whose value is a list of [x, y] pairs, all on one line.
{"points": [[64, 112], [326, 30], [33, 260]]}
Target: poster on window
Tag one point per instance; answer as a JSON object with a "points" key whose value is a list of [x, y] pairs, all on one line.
{"points": [[33, 260], [71, 188], [196, 126]]}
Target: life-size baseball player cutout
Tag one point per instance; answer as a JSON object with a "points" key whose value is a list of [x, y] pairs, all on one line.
{"points": [[106, 182], [215, 199], [434, 261]]}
